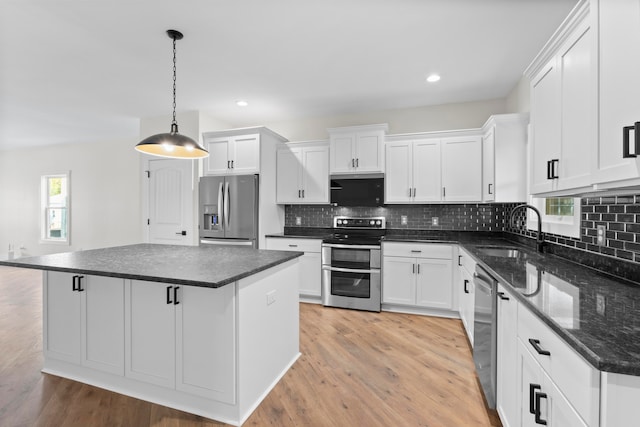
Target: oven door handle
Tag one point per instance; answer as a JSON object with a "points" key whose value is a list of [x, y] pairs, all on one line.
{"points": [[350, 270], [332, 245]]}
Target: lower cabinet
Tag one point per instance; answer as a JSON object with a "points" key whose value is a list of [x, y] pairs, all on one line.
{"points": [[182, 337], [423, 279], [466, 291], [310, 263], [507, 358], [84, 320]]}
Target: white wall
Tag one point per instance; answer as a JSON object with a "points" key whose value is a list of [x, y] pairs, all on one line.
{"points": [[421, 119], [105, 194], [517, 101]]}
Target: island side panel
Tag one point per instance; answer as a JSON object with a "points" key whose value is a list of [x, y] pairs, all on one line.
{"points": [[269, 332]]}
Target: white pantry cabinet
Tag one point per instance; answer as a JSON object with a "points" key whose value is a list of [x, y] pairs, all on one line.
{"points": [[563, 108], [309, 284], [507, 358], [417, 275], [232, 155], [357, 149], [504, 158], [84, 320], [182, 337], [618, 24], [302, 174]]}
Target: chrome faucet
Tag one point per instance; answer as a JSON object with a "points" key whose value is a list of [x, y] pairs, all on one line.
{"points": [[540, 237]]}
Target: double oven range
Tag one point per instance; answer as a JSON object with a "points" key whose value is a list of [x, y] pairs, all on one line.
{"points": [[351, 262]]}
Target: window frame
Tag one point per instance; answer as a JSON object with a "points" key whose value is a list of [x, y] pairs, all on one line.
{"points": [[568, 226], [45, 206]]}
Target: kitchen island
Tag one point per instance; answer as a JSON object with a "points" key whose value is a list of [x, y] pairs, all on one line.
{"points": [[206, 330]]}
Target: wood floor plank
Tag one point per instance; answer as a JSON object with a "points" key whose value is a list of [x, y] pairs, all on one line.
{"points": [[356, 369]]}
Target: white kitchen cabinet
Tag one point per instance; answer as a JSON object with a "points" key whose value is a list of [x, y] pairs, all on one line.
{"points": [[618, 24], [417, 275], [507, 403], [413, 173], [563, 108], [303, 173], [84, 320], [357, 149], [504, 158], [309, 284], [466, 291], [181, 337], [462, 169], [232, 155]]}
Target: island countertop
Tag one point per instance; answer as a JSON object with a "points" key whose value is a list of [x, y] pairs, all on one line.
{"points": [[209, 266]]}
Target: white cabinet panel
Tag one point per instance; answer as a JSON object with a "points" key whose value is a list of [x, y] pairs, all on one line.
{"points": [[399, 175], [357, 149], [232, 155], [434, 282], [369, 151], [62, 317], [302, 175], [462, 169], [218, 161], [309, 284], [507, 403], [488, 165], [427, 171], [288, 179], [399, 284], [315, 174], [246, 154]]}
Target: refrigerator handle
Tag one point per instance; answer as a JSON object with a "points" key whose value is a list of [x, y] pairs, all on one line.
{"points": [[221, 205], [227, 202]]}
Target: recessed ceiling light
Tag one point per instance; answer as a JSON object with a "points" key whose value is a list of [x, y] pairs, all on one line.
{"points": [[433, 78], [242, 103]]}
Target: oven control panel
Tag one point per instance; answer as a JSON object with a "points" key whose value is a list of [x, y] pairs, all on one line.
{"points": [[376, 223]]}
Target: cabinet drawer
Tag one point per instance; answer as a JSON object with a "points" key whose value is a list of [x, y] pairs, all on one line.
{"points": [[293, 244], [576, 378], [464, 260], [417, 250]]}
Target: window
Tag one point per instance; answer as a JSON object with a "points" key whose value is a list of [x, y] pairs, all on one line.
{"points": [[560, 215], [55, 208]]}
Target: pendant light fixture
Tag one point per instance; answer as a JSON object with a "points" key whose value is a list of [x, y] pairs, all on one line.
{"points": [[172, 144]]}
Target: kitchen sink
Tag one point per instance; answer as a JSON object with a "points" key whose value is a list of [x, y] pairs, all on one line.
{"points": [[502, 252]]}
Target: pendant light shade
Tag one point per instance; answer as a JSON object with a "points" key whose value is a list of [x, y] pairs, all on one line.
{"points": [[172, 144]]}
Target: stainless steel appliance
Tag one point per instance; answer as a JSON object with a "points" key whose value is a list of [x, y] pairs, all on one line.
{"points": [[229, 210], [485, 332], [351, 263], [357, 190]]}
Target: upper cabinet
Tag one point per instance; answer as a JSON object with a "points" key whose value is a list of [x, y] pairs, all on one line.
{"points": [[303, 173], [563, 108], [504, 158], [357, 149], [434, 167], [232, 155], [616, 158]]}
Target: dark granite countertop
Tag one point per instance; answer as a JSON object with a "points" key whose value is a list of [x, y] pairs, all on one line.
{"points": [[208, 266], [303, 233]]}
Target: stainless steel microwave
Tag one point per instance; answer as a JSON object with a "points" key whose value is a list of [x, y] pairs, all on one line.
{"points": [[357, 190]]}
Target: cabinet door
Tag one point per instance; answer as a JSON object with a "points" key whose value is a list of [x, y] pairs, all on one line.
{"points": [[399, 280], [545, 124], [150, 333], [434, 283], [462, 169], [530, 383], [103, 323], [507, 403], [61, 310], [466, 302], [488, 165], [288, 185], [619, 93], [369, 151], [315, 174], [310, 279], [427, 179], [574, 61], [398, 179], [561, 413], [205, 342], [342, 156], [218, 162], [245, 154]]}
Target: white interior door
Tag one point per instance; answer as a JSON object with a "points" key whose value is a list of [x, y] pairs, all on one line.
{"points": [[171, 201]]}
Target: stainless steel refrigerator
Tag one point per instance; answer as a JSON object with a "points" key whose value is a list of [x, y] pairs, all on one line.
{"points": [[229, 210]]}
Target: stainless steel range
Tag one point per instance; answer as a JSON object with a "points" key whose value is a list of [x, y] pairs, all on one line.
{"points": [[351, 263]]}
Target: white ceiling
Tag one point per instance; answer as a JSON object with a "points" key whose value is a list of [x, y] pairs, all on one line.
{"points": [[87, 70]]}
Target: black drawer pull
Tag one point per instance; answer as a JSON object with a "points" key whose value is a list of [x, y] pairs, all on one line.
{"points": [[74, 283], [538, 415], [502, 296], [536, 345], [466, 289], [169, 295], [175, 295], [80, 283], [532, 401]]}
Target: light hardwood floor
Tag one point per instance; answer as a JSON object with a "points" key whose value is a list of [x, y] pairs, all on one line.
{"points": [[357, 369]]}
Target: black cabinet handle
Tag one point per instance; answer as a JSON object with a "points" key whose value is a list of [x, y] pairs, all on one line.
{"points": [[536, 345], [538, 414], [74, 282], [353, 163], [626, 152], [466, 289], [444, 192], [175, 295], [548, 169], [357, 162], [460, 260], [489, 189], [303, 194], [80, 283], [299, 192], [532, 402], [552, 173], [232, 164], [228, 164], [169, 295], [502, 296]]}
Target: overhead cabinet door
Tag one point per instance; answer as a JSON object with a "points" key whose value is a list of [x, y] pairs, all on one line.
{"points": [[462, 169], [426, 168]]}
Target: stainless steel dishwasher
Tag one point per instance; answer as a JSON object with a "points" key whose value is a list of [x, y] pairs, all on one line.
{"points": [[485, 332]]}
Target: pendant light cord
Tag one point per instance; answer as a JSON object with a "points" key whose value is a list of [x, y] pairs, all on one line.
{"points": [[174, 83]]}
